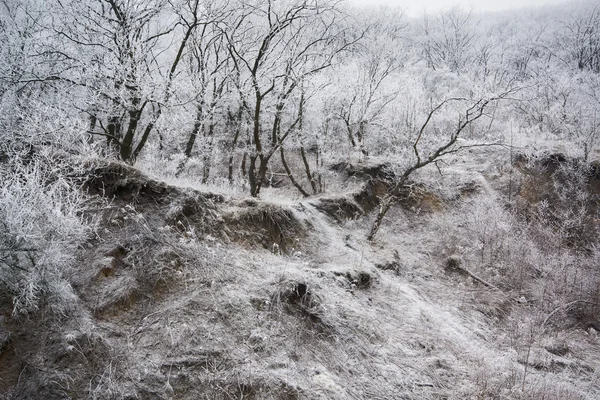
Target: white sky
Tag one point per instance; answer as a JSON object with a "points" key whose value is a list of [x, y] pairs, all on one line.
{"points": [[416, 7]]}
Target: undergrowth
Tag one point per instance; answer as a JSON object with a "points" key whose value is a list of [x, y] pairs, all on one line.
{"points": [[41, 227]]}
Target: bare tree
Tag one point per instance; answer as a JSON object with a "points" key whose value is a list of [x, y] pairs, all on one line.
{"points": [[583, 39], [449, 40], [126, 53], [398, 182], [209, 69], [367, 87], [274, 46], [367, 100]]}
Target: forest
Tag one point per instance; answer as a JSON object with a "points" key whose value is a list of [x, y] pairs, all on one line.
{"points": [[217, 198]]}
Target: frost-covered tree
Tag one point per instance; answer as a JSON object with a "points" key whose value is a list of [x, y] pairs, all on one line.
{"points": [[581, 38], [275, 46], [429, 146], [450, 39], [125, 56], [365, 84]]}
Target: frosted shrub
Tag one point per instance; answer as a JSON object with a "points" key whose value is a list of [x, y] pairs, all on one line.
{"points": [[480, 229], [493, 242], [40, 229]]}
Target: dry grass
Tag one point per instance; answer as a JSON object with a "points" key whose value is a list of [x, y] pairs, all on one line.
{"points": [[184, 297]]}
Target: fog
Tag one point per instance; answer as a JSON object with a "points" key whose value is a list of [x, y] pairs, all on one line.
{"points": [[414, 8]]}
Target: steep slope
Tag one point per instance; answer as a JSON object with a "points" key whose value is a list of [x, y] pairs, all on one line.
{"points": [[192, 295]]}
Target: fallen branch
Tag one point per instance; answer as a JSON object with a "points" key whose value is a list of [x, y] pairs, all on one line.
{"points": [[418, 384], [456, 265]]}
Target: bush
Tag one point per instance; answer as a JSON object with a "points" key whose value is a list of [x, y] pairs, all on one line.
{"points": [[41, 227]]}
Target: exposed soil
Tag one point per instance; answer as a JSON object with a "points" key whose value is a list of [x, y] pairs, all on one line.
{"points": [[190, 295]]}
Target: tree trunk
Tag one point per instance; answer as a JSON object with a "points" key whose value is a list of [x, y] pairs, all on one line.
{"points": [[309, 174], [384, 206], [142, 142], [255, 177], [350, 134], [114, 129], [207, 158], [290, 175], [197, 125], [93, 122], [236, 137], [127, 143], [360, 138], [135, 113], [243, 165]]}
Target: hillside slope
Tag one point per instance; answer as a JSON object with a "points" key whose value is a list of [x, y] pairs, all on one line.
{"points": [[184, 294]]}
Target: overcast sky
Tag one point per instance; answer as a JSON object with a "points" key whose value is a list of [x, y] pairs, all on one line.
{"points": [[416, 7]]}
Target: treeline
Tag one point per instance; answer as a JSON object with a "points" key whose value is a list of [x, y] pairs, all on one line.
{"points": [[227, 89]]}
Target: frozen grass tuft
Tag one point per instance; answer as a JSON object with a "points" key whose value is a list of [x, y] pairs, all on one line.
{"points": [[41, 227]]}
